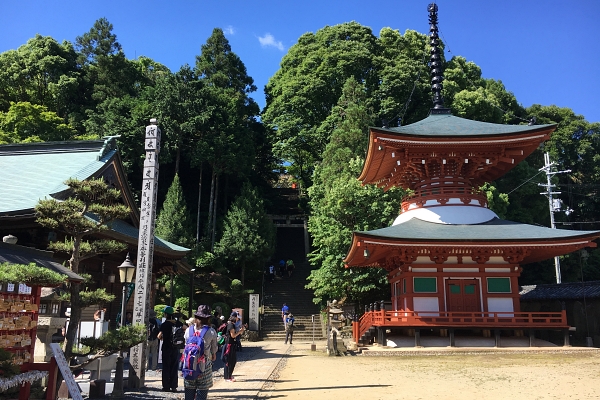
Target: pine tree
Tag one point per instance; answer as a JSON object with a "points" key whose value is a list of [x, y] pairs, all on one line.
{"points": [[90, 208]]}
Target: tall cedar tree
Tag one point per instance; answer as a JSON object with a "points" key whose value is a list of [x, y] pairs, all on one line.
{"points": [[340, 205], [88, 211], [248, 236], [173, 222], [227, 141]]}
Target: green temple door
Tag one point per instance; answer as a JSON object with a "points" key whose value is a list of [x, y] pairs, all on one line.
{"points": [[463, 295]]}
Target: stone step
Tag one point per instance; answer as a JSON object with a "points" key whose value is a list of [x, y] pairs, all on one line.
{"points": [[296, 337]]}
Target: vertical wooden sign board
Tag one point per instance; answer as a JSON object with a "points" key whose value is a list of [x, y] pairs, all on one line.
{"points": [[253, 312], [145, 254], [63, 365]]}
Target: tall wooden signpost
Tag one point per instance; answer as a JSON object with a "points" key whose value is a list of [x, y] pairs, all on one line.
{"points": [[143, 280]]}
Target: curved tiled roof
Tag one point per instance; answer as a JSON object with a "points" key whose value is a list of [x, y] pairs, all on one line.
{"points": [[447, 125], [494, 230], [35, 171], [561, 291], [16, 254]]}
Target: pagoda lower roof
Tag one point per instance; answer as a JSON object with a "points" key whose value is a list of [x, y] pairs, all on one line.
{"points": [[493, 230], [515, 242], [447, 125]]}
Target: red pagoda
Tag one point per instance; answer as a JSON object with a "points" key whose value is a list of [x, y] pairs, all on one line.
{"points": [[452, 263]]}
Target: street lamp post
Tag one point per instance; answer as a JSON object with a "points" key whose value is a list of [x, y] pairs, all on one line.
{"points": [[126, 270]]}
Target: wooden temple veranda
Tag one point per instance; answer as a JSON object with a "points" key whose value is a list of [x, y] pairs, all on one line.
{"points": [[452, 263]]}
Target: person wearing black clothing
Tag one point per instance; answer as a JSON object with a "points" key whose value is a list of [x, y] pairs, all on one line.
{"points": [[170, 353], [229, 350], [153, 342]]}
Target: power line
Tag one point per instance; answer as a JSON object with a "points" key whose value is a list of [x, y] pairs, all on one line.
{"points": [[539, 172]]}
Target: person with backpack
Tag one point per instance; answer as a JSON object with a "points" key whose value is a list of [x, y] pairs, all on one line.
{"points": [[198, 356], [284, 310], [290, 267], [229, 350], [170, 332], [281, 267], [222, 332], [153, 329], [289, 328]]}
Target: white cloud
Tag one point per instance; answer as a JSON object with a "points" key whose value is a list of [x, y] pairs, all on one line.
{"points": [[269, 40], [229, 30]]}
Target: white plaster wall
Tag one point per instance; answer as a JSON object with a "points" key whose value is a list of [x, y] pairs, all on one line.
{"points": [[500, 304], [422, 304], [461, 269]]}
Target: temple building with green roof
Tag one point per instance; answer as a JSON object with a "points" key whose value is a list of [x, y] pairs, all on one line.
{"points": [[34, 171]]}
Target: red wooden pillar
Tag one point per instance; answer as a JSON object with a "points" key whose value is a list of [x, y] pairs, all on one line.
{"points": [[52, 377], [514, 283], [25, 390]]}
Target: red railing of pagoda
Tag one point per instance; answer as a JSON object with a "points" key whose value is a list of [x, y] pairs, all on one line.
{"points": [[443, 319], [443, 193]]}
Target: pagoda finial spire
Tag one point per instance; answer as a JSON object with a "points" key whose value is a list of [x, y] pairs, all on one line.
{"points": [[435, 62]]}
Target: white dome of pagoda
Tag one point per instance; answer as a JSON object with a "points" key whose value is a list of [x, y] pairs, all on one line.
{"points": [[450, 215]]}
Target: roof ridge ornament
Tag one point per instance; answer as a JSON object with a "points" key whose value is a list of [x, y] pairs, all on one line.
{"points": [[110, 144], [435, 63]]}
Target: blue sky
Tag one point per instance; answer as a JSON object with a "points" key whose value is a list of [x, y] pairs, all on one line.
{"points": [[543, 51]]}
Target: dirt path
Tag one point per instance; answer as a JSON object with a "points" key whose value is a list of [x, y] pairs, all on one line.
{"points": [[313, 375]]}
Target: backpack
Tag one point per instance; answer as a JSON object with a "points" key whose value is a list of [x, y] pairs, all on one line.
{"points": [[221, 339], [193, 360], [153, 329], [289, 325], [222, 329], [178, 338]]}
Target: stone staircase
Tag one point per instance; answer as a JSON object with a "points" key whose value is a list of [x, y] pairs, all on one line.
{"points": [[290, 290]]}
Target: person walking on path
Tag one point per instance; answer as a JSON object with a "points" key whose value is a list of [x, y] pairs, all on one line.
{"points": [[197, 389], [271, 273], [170, 353], [289, 328], [238, 339], [284, 310], [153, 329], [229, 350], [290, 267], [281, 267]]}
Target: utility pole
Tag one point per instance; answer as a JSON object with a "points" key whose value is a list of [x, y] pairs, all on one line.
{"points": [[547, 168]]}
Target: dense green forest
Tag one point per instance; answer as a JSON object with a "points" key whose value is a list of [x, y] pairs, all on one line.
{"points": [[221, 155]]}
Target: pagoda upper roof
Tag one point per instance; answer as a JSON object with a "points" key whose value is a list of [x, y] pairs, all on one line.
{"points": [[447, 125], [443, 145]]}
